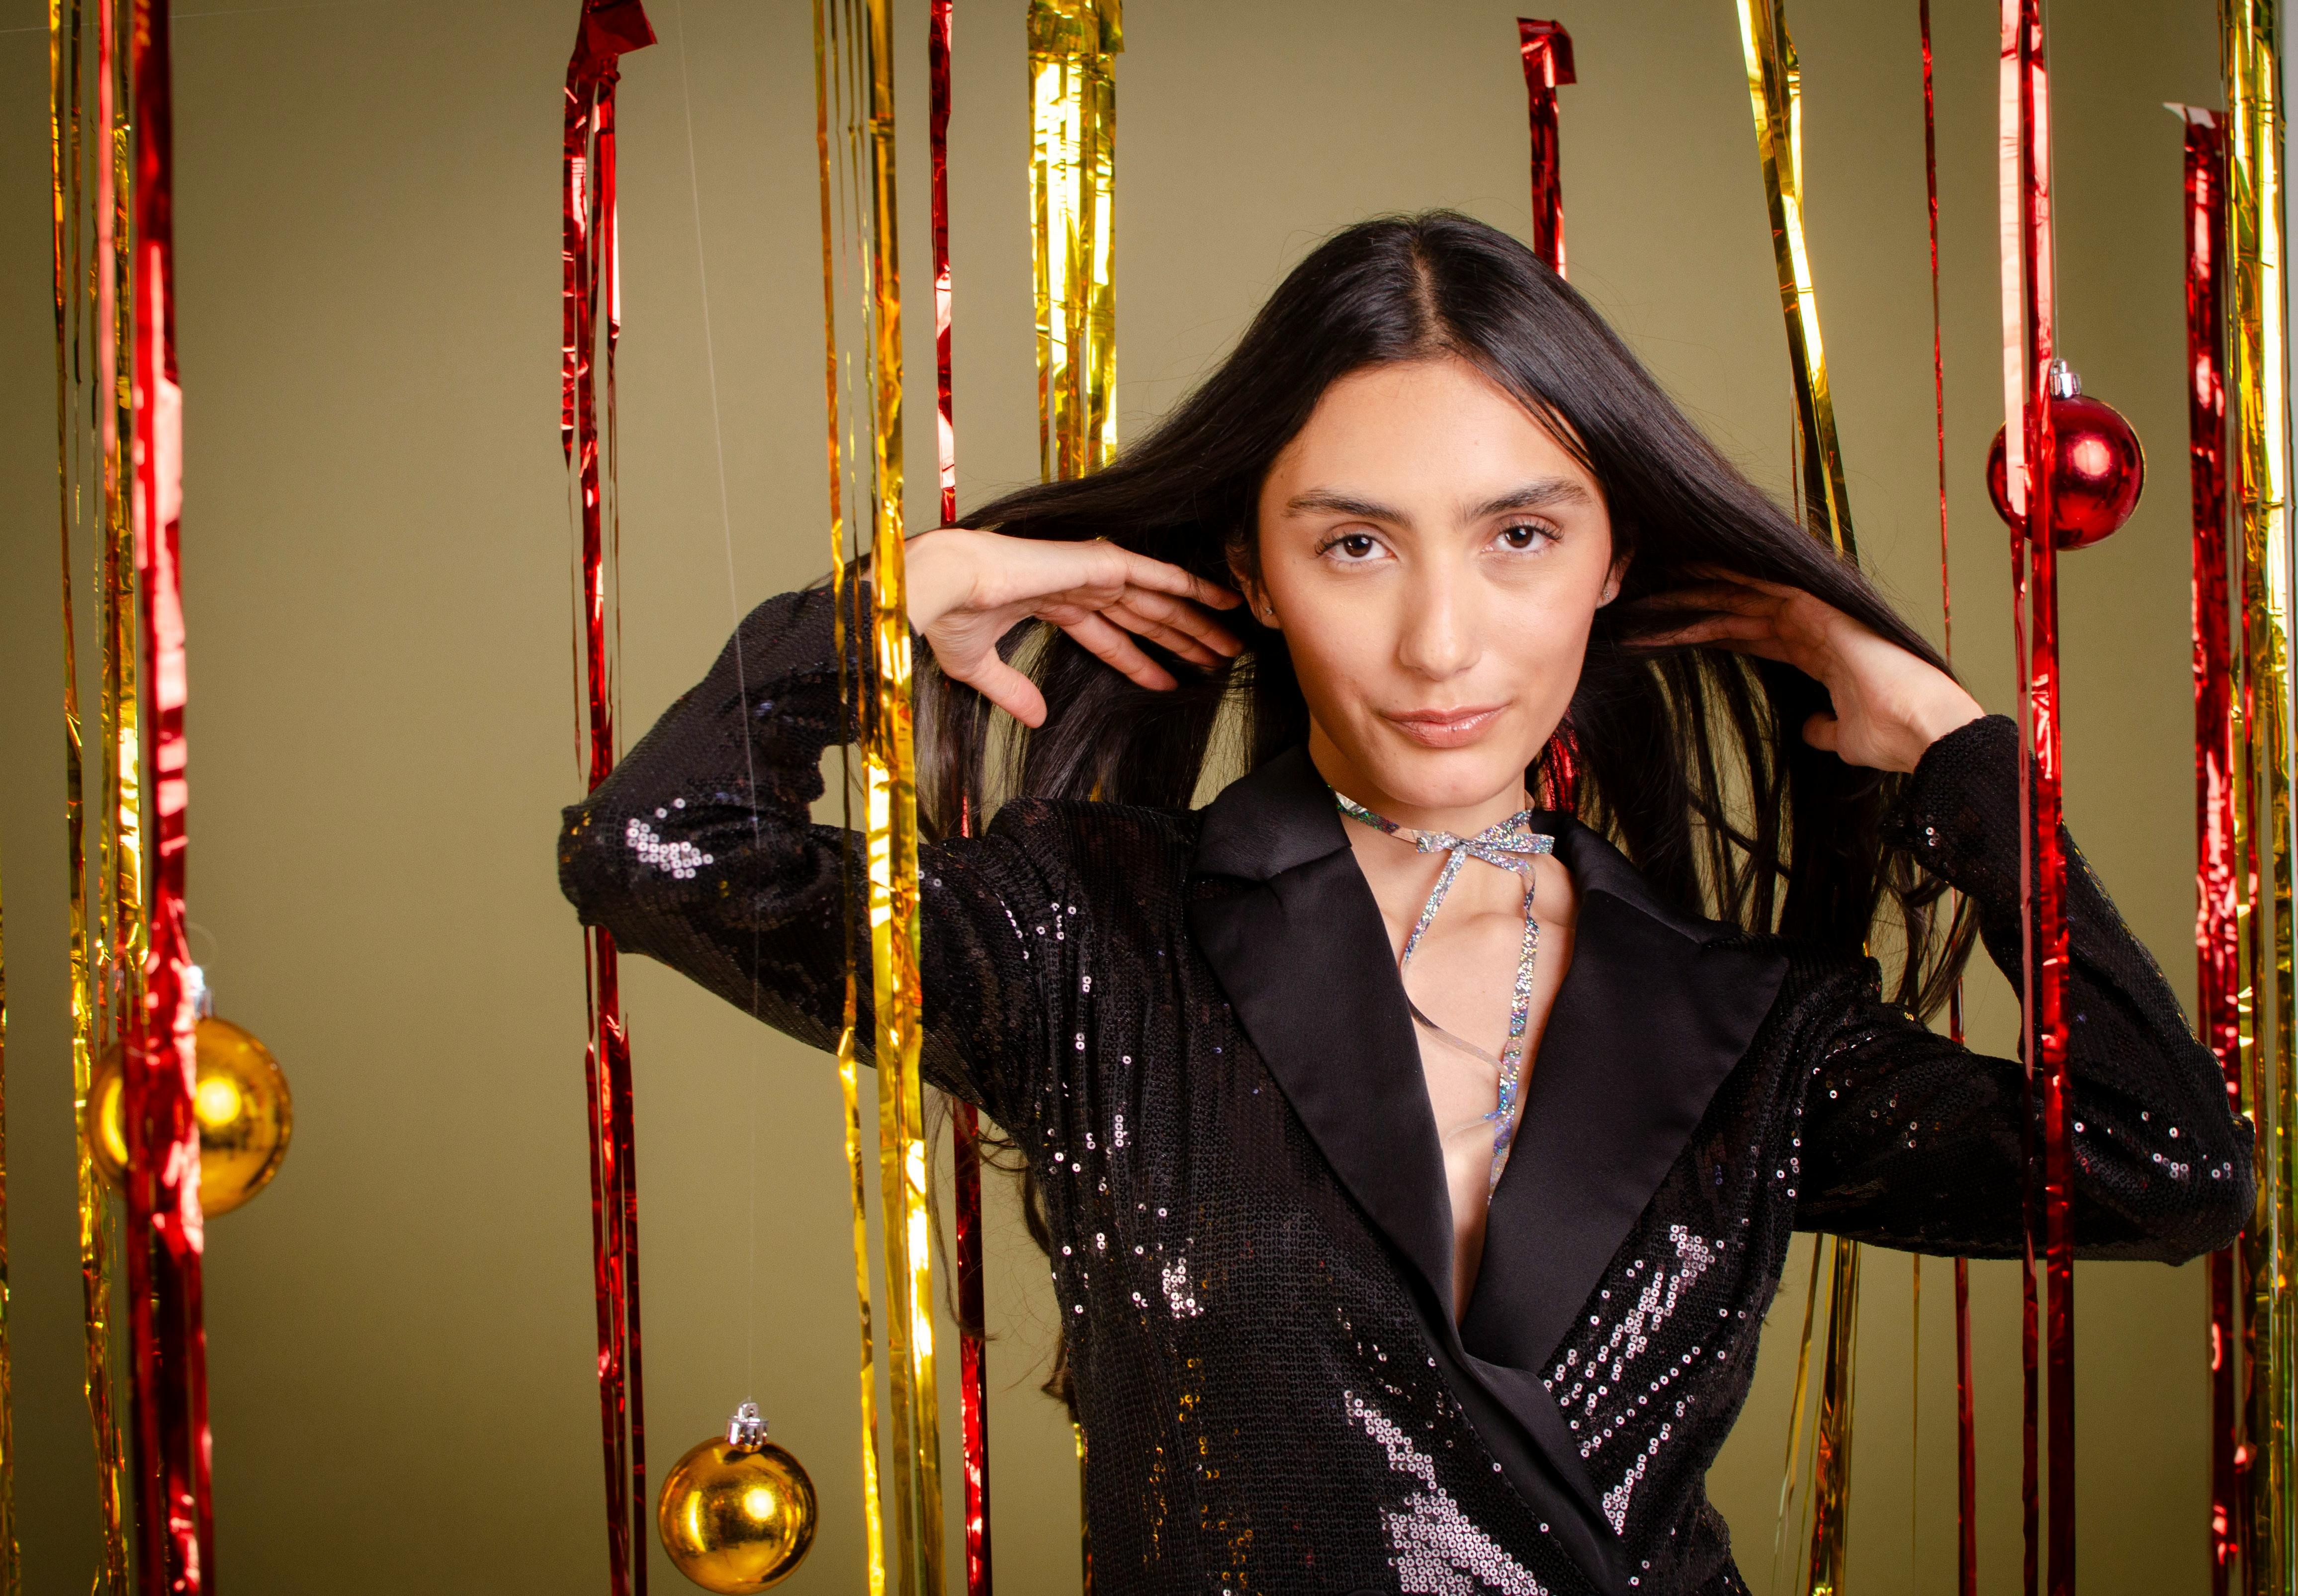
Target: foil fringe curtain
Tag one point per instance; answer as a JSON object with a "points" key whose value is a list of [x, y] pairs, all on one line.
{"points": [[838, 212], [1775, 90], [165, 1235], [1547, 50], [1830, 1460], [2218, 974], [607, 29], [1966, 1448], [1775, 95], [1073, 49], [889, 774], [2027, 349], [91, 194], [1074, 45], [966, 1126], [855, 124], [2257, 374]]}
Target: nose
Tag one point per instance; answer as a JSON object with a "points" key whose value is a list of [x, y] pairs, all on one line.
{"points": [[1437, 635]]}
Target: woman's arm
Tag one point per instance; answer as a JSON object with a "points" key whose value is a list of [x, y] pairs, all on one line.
{"points": [[699, 850], [1911, 1140]]}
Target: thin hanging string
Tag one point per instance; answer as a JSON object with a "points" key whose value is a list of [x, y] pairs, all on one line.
{"points": [[1511, 845], [741, 675]]}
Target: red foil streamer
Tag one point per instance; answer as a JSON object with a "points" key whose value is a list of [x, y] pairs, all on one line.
{"points": [[1966, 1443], [1966, 1437], [1559, 772], [1938, 360], [164, 1230], [966, 1126], [1546, 66], [2217, 976], [608, 29], [938, 119], [2035, 566], [966, 1136]]}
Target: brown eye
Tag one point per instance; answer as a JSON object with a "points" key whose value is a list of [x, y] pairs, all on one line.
{"points": [[1521, 539], [1356, 546]]}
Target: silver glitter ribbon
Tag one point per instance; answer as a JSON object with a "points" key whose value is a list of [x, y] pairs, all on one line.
{"points": [[1510, 845]]}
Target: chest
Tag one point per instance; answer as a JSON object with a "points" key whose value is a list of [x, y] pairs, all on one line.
{"points": [[1480, 966]]}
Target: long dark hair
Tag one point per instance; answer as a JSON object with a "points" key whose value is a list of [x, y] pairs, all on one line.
{"points": [[1691, 759]]}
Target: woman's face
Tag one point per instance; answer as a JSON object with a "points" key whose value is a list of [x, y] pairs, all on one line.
{"points": [[1435, 560]]}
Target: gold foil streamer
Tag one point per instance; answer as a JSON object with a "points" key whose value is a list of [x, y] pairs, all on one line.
{"points": [[856, 113], [1073, 46], [90, 194], [2258, 372], [1774, 86], [1788, 1475], [1775, 93], [873, 1517], [1085, 1526], [1830, 1485], [1072, 203], [848, 1082]]}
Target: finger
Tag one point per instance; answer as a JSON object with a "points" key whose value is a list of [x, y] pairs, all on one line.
{"points": [[1763, 645], [1141, 572], [1171, 638], [1710, 628], [1823, 731], [1007, 689], [1114, 649], [1181, 627], [1183, 615]]}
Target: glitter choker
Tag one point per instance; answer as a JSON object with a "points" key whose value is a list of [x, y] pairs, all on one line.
{"points": [[1510, 845]]}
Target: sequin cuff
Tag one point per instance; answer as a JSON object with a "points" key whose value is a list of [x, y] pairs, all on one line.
{"points": [[1960, 813]]}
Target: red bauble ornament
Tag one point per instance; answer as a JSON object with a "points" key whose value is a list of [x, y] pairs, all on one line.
{"points": [[2099, 469]]}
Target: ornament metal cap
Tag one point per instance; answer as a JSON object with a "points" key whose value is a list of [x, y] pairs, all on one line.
{"points": [[195, 983], [746, 1430], [2063, 383]]}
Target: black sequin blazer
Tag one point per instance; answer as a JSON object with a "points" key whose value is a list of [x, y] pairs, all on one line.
{"points": [[1193, 1025]]}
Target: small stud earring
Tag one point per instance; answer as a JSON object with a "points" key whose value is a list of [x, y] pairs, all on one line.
{"points": [[1267, 609]]}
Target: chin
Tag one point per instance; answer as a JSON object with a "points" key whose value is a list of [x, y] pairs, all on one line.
{"points": [[1452, 777]]}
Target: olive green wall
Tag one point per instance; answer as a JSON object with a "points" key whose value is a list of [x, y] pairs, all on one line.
{"points": [[376, 553]]}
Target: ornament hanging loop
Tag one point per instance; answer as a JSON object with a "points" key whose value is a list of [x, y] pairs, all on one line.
{"points": [[746, 1431]]}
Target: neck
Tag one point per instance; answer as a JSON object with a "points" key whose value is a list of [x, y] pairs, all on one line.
{"points": [[1461, 820]]}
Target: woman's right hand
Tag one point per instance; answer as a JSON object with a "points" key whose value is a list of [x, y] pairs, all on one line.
{"points": [[967, 589]]}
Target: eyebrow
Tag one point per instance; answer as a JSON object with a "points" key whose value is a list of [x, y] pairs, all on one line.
{"points": [[1536, 495]]}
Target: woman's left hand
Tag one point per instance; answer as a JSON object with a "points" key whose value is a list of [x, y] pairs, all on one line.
{"points": [[1889, 705]]}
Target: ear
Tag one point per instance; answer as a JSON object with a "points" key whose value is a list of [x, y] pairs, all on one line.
{"points": [[1613, 579], [1256, 596]]}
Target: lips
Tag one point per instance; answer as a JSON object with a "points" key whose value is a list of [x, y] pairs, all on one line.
{"points": [[1446, 729]]}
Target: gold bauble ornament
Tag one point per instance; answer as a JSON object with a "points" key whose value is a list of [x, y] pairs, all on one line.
{"points": [[737, 1515], [239, 1097]]}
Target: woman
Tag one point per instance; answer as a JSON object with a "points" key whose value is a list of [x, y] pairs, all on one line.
{"points": [[1418, 1164]]}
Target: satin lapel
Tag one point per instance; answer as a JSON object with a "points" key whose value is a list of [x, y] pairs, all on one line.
{"points": [[1304, 960], [1655, 1012]]}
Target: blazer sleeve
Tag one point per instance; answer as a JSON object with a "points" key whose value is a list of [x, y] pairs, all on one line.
{"points": [[699, 851], [1911, 1140]]}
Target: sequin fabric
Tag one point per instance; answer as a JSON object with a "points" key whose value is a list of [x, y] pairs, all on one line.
{"points": [[1260, 1388], [1510, 845]]}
